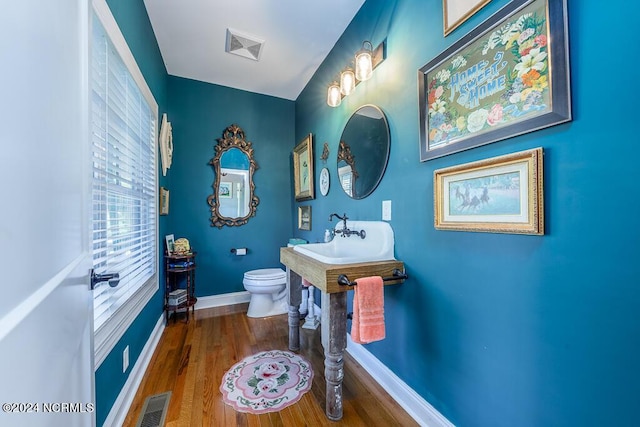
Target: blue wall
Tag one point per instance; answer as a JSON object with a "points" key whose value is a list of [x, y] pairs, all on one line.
{"points": [[504, 330], [493, 330], [134, 24], [199, 113]]}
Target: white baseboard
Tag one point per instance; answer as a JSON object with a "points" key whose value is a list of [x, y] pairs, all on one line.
{"points": [[221, 300], [122, 404], [421, 410]]}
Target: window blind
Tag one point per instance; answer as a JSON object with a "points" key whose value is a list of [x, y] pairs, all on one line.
{"points": [[123, 125]]}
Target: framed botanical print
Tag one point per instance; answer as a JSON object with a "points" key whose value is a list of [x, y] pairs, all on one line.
{"points": [[303, 169], [507, 77]]}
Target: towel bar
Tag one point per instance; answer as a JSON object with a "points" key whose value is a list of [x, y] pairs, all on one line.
{"points": [[397, 275]]}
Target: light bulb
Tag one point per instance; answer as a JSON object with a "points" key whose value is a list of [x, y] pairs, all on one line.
{"points": [[333, 95], [347, 82]]}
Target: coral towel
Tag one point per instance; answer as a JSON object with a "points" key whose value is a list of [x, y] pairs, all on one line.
{"points": [[368, 310]]}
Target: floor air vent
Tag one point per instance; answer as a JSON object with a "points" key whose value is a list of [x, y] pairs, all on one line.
{"points": [[154, 410]]}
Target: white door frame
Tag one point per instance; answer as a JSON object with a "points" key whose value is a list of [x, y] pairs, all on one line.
{"points": [[46, 309]]}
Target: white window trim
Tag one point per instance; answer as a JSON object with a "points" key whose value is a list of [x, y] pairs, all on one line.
{"points": [[110, 333], [113, 31]]}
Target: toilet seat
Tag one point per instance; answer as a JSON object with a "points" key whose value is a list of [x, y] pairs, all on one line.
{"points": [[265, 273], [265, 277]]}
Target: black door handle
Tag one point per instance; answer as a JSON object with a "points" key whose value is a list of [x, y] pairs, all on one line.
{"points": [[112, 278]]}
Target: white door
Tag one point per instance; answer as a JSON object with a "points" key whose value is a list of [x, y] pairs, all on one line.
{"points": [[46, 355]]}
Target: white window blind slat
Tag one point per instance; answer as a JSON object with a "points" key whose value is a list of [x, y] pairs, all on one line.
{"points": [[123, 125]]}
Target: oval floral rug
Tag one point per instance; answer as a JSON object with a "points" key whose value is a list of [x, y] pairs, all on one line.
{"points": [[266, 382]]}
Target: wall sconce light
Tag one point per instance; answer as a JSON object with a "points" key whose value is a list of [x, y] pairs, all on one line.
{"points": [[366, 60]]}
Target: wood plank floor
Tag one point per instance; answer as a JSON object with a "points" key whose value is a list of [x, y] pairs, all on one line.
{"points": [[191, 359]]}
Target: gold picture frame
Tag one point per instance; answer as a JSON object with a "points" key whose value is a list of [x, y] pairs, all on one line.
{"points": [[498, 195], [303, 176], [456, 12], [164, 201], [304, 217]]}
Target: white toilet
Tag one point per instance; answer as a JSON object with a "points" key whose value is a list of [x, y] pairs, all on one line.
{"points": [[268, 289]]}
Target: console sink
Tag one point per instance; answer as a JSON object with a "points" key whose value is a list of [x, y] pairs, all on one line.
{"points": [[378, 245]]}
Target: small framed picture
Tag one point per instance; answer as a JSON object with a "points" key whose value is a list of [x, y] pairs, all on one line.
{"points": [[164, 201], [170, 242], [304, 217]]}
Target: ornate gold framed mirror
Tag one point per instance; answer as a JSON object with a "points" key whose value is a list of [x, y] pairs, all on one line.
{"points": [[233, 200]]}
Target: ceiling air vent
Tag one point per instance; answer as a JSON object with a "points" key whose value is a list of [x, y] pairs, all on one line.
{"points": [[243, 45]]}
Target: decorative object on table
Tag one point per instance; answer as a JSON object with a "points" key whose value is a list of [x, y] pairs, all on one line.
{"points": [[304, 217], [458, 11], [181, 247], [166, 144], [501, 195], [508, 76], [266, 382], [324, 181], [233, 200], [325, 153], [303, 169], [170, 242], [164, 201]]}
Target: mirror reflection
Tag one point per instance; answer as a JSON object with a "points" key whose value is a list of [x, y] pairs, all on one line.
{"points": [[363, 151], [234, 182], [233, 201]]}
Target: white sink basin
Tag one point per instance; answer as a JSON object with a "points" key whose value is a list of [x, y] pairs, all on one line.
{"points": [[378, 245]]}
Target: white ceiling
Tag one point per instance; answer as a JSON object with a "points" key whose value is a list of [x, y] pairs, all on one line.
{"points": [[297, 34]]}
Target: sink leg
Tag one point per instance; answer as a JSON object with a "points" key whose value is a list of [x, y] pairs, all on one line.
{"points": [[294, 298], [335, 319]]}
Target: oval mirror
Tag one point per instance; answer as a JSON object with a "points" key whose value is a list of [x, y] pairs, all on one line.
{"points": [[233, 200], [363, 152]]}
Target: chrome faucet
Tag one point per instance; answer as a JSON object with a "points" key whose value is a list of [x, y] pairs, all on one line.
{"points": [[343, 218], [345, 232]]}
